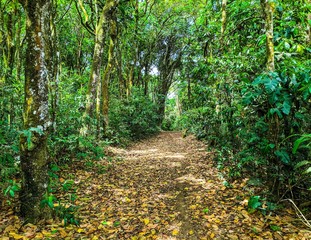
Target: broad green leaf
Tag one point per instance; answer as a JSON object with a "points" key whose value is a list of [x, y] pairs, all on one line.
{"points": [[275, 110], [286, 107], [12, 193], [307, 171], [303, 138], [283, 155], [302, 163], [254, 203]]}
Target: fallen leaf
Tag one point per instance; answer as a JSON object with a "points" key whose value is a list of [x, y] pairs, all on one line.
{"points": [[146, 221], [175, 232]]}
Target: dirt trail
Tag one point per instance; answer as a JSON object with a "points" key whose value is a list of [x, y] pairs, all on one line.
{"points": [[165, 187]]}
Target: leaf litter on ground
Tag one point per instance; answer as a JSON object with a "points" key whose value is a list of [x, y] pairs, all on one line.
{"points": [[166, 187]]}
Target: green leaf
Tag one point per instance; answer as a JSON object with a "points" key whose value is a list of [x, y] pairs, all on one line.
{"points": [[50, 204], [286, 45], [302, 163], [15, 188], [286, 107], [283, 155], [12, 193], [307, 171], [303, 138], [275, 110], [116, 223], [275, 228], [254, 203]]}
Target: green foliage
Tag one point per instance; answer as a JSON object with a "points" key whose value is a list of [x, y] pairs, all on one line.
{"points": [[254, 203], [9, 162], [250, 115], [275, 228], [132, 119], [64, 207], [61, 210], [303, 143], [28, 133], [12, 188], [258, 203]]}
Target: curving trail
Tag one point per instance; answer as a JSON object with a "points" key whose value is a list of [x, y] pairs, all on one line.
{"points": [[165, 187]]}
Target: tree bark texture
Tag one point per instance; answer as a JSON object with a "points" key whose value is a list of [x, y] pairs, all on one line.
{"points": [[309, 30], [96, 65], [223, 19], [94, 85], [106, 76], [268, 9], [53, 61], [34, 159]]}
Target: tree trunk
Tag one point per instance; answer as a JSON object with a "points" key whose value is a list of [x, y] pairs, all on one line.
{"points": [[119, 63], [223, 20], [268, 9], [34, 158], [106, 77], [130, 78], [308, 26], [94, 81], [53, 60]]}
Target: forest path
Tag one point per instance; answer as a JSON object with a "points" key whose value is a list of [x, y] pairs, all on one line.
{"points": [[166, 187]]}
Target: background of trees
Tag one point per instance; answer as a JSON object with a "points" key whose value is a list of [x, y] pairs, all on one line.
{"points": [[119, 70]]}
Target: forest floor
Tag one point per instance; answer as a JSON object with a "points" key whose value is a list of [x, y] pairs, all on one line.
{"points": [[165, 187]]}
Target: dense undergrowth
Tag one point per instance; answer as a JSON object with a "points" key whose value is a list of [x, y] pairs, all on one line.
{"points": [[259, 125], [131, 119]]}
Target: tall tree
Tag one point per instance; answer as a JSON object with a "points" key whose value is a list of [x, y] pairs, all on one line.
{"points": [[96, 86], [268, 9], [93, 91], [106, 77], [33, 141], [223, 19]]}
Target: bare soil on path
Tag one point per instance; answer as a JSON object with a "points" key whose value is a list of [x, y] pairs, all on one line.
{"points": [[164, 187]]}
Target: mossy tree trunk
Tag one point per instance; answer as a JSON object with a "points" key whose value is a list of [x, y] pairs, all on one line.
{"points": [[53, 61], [110, 16], [308, 26], [93, 91], [95, 87], [223, 20], [34, 158], [268, 9]]}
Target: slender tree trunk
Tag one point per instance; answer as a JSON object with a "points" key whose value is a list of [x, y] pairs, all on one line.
{"points": [[18, 47], [130, 78], [96, 65], [308, 27], [120, 70], [53, 60], [106, 76], [93, 91], [223, 20], [79, 52], [268, 9], [95, 80], [34, 158]]}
